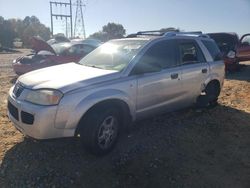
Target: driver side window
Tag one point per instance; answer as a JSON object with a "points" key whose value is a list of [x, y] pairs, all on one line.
{"points": [[74, 50], [160, 55]]}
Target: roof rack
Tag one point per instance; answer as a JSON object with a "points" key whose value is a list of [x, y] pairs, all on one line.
{"points": [[168, 33], [147, 33], [190, 33]]}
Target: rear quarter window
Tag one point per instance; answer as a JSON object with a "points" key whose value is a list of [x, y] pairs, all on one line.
{"points": [[213, 50]]}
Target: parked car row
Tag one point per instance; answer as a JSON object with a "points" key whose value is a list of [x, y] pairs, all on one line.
{"points": [[61, 50], [119, 82]]}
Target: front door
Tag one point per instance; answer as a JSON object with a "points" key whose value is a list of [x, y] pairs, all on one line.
{"points": [[158, 79]]}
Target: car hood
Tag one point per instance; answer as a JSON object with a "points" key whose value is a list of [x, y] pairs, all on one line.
{"points": [[38, 45], [66, 77]]}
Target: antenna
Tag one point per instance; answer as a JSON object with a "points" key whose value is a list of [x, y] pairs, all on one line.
{"points": [[79, 28]]}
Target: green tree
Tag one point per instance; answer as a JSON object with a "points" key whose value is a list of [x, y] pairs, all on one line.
{"points": [[7, 33], [114, 30], [102, 36], [109, 31], [33, 27], [1, 20], [23, 29]]}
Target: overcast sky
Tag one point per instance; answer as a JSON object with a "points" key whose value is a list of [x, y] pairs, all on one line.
{"points": [[135, 15]]}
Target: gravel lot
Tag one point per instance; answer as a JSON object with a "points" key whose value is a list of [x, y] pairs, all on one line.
{"points": [[181, 149]]}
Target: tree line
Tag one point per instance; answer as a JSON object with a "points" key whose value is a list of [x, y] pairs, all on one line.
{"points": [[17, 29]]}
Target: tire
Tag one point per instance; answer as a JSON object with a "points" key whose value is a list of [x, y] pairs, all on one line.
{"points": [[212, 91], [100, 130], [210, 98]]}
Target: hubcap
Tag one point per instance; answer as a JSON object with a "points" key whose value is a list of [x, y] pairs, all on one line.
{"points": [[107, 132]]}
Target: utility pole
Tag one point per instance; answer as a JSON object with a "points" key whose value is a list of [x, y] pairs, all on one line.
{"points": [[62, 16], [79, 28]]}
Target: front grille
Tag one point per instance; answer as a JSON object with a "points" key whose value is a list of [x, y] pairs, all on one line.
{"points": [[27, 118], [18, 89], [13, 110]]}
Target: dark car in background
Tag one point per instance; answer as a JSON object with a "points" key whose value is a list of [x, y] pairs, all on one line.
{"points": [[46, 55], [233, 48]]}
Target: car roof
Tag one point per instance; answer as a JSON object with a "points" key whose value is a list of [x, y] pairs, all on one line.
{"points": [[66, 44]]}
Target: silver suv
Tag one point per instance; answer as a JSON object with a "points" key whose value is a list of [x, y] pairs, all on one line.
{"points": [[119, 82]]}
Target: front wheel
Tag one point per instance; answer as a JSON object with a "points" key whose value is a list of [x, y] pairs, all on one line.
{"points": [[100, 130]]}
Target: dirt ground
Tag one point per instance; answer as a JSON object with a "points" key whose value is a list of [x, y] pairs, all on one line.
{"points": [[181, 149]]}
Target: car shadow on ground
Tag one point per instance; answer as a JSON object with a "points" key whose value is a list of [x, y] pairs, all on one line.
{"points": [[180, 149], [242, 74]]}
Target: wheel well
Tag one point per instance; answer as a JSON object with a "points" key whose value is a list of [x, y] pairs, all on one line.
{"points": [[122, 106], [215, 85]]}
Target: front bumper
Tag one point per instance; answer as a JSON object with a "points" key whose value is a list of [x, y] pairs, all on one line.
{"points": [[42, 126]]}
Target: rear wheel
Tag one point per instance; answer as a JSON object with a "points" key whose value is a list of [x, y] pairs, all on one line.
{"points": [[212, 91], [210, 96], [100, 130]]}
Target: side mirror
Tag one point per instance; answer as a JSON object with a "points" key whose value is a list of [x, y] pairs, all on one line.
{"points": [[231, 54]]}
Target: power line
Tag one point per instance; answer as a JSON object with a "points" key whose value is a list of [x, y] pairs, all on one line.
{"points": [[79, 27], [57, 15]]}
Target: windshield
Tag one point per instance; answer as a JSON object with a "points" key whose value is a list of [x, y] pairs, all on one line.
{"points": [[59, 48], [113, 55]]}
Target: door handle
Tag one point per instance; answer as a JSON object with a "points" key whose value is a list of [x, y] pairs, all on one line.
{"points": [[174, 76], [204, 70]]}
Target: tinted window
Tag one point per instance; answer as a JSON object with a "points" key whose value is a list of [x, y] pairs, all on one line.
{"points": [[159, 56], [213, 49], [60, 48], [87, 49], [80, 49], [74, 50], [190, 53]]}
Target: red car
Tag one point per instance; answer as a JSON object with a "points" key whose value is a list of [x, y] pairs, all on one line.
{"points": [[46, 55], [233, 49]]}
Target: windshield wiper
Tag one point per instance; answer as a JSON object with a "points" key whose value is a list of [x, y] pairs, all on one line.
{"points": [[93, 66]]}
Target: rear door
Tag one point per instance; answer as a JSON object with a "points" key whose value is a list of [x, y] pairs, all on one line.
{"points": [[158, 79], [243, 50], [194, 69]]}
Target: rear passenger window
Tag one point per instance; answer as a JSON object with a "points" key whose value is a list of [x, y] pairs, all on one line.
{"points": [[161, 53], [190, 53], [213, 50]]}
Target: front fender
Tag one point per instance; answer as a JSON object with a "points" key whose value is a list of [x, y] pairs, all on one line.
{"points": [[86, 103]]}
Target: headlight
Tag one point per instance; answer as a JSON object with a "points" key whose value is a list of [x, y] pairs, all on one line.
{"points": [[44, 97]]}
